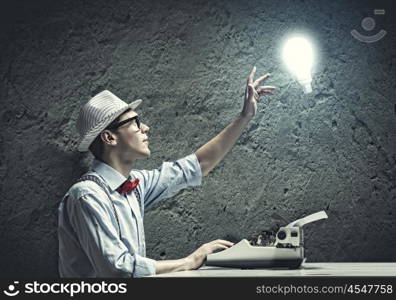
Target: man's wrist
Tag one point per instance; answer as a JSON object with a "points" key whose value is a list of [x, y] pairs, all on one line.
{"points": [[245, 118], [187, 263]]}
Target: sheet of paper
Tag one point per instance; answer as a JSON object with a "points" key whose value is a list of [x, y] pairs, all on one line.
{"points": [[308, 219]]}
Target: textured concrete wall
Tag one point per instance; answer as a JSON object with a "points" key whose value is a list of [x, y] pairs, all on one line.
{"points": [[334, 149]]}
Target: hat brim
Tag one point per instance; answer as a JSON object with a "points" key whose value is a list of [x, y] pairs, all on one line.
{"points": [[87, 140]]}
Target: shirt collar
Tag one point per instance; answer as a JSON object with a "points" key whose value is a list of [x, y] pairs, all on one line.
{"points": [[112, 177]]}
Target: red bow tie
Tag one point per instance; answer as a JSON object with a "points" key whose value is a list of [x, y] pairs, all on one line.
{"points": [[128, 186]]}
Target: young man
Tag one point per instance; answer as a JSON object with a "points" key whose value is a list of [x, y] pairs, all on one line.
{"points": [[100, 227]]}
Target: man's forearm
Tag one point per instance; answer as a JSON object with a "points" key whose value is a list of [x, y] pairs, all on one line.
{"points": [[166, 266], [210, 154]]}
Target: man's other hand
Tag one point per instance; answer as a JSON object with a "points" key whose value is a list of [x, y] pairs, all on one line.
{"points": [[198, 257]]}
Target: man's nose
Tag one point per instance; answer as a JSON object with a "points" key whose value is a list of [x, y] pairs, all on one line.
{"points": [[145, 128]]}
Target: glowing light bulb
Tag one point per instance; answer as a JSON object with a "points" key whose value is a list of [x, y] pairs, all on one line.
{"points": [[298, 56]]}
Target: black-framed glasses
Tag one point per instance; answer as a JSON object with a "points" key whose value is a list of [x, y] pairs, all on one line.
{"points": [[116, 125]]}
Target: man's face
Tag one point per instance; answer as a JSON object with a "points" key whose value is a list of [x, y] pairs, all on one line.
{"points": [[132, 142]]}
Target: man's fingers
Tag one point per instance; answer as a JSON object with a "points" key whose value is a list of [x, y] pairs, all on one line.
{"points": [[253, 92], [251, 76], [264, 77], [251, 88], [269, 87], [218, 247], [224, 242], [266, 88]]}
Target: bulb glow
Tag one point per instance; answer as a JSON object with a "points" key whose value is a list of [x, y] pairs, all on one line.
{"points": [[299, 57]]}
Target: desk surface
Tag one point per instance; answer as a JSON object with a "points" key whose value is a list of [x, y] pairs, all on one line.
{"points": [[307, 269]]}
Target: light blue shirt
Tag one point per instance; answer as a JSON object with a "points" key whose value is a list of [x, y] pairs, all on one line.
{"points": [[89, 241]]}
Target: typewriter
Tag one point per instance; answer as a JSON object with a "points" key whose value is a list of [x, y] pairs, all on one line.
{"points": [[286, 252]]}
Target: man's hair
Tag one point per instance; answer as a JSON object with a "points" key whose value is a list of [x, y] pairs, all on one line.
{"points": [[97, 146]]}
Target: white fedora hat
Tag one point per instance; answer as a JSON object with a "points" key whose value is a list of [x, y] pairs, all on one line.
{"points": [[97, 114]]}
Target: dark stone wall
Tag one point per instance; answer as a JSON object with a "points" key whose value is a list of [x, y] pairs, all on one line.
{"points": [[333, 150]]}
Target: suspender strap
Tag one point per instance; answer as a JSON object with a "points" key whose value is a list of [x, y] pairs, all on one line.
{"points": [[102, 185]]}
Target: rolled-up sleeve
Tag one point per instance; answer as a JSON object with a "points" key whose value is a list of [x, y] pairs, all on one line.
{"points": [[144, 266], [99, 238], [169, 179]]}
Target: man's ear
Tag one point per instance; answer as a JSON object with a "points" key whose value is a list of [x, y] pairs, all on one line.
{"points": [[108, 137]]}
